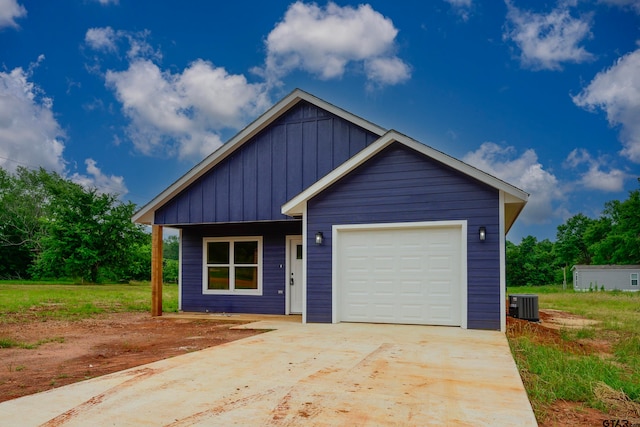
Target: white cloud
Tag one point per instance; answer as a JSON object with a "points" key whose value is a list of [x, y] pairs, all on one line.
{"points": [[107, 2], [461, 7], [595, 178], [387, 71], [101, 182], [9, 11], [325, 41], [30, 134], [101, 39], [548, 40], [524, 172], [138, 45], [631, 4], [183, 113], [106, 40], [616, 91]]}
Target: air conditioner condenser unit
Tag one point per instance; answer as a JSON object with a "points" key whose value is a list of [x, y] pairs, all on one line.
{"points": [[524, 306]]}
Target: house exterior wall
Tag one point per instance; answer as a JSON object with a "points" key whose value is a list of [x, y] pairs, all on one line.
{"points": [[611, 277], [273, 268], [401, 185], [265, 172]]}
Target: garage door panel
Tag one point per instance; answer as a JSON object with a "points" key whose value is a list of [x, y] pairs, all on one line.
{"points": [[382, 264], [442, 313], [411, 289], [412, 263], [407, 275], [384, 311], [411, 314], [357, 288], [383, 288]]}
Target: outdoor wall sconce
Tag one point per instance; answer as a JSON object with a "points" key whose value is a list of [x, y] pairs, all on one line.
{"points": [[482, 233], [319, 238]]}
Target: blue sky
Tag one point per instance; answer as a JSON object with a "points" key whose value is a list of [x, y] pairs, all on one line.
{"points": [[127, 96]]}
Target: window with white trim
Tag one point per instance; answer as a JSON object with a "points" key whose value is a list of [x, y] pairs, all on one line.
{"points": [[634, 279], [232, 265]]}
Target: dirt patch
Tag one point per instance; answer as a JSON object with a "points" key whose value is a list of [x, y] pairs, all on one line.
{"points": [[570, 414], [541, 334], [549, 331], [556, 319], [70, 351]]}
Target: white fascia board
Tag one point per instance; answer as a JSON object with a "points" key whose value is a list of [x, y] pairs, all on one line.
{"points": [[145, 214], [294, 206]]}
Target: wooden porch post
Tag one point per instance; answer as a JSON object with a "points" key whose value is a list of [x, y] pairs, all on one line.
{"points": [[156, 270]]}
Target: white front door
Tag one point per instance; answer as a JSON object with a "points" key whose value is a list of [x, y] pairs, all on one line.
{"points": [[295, 276]]}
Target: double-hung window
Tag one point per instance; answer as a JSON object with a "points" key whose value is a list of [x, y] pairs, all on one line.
{"points": [[232, 265], [634, 279]]}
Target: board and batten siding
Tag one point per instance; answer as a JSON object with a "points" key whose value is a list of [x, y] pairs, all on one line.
{"points": [[273, 268], [401, 185], [253, 182]]}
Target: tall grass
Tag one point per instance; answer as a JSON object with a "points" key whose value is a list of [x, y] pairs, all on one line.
{"points": [[28, 300], [552, 371]]}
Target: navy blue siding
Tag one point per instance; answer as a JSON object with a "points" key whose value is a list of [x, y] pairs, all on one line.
{"points": [[260, 176], [401, 185], [273, 276]]}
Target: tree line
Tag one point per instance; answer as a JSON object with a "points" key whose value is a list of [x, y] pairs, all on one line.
{"points": [[52, 228], [613, 238]]}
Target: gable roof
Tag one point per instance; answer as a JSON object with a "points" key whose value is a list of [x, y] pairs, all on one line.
{"points": [[514, 198], [605, 267], [146, 214]]}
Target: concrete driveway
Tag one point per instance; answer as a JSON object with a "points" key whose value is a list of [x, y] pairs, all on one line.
{"points": [[324, 375]]}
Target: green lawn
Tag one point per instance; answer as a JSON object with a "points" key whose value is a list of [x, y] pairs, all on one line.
{"points": [[561, 370], [26, 301]]}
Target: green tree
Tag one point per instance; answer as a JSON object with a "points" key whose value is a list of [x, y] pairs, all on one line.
{"points": [[531, 263], [170, 271], [571, 247], [137, 267], [514, 265], [171, 255], [615, 239], [171, 248], [24, 201], [86, 231]]}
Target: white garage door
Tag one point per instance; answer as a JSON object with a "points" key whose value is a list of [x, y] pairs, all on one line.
{"points": [[406, 275]]}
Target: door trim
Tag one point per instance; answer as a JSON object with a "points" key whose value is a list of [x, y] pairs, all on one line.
{"points": [[335, 280], [287, 271]]}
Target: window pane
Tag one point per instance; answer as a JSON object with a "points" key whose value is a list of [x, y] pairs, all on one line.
{"points": [[218, 253], [246, 277], [298, 251], [218, 278], [246, 253]]}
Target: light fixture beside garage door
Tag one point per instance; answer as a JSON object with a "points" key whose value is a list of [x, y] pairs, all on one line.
{"points": [[319, 238], [482, 233]]}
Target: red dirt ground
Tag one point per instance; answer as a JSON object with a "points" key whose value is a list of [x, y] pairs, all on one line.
{"points": [[93, 347]]}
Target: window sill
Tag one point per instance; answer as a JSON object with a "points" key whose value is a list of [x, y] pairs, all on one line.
{"points": [[236, 292]]}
